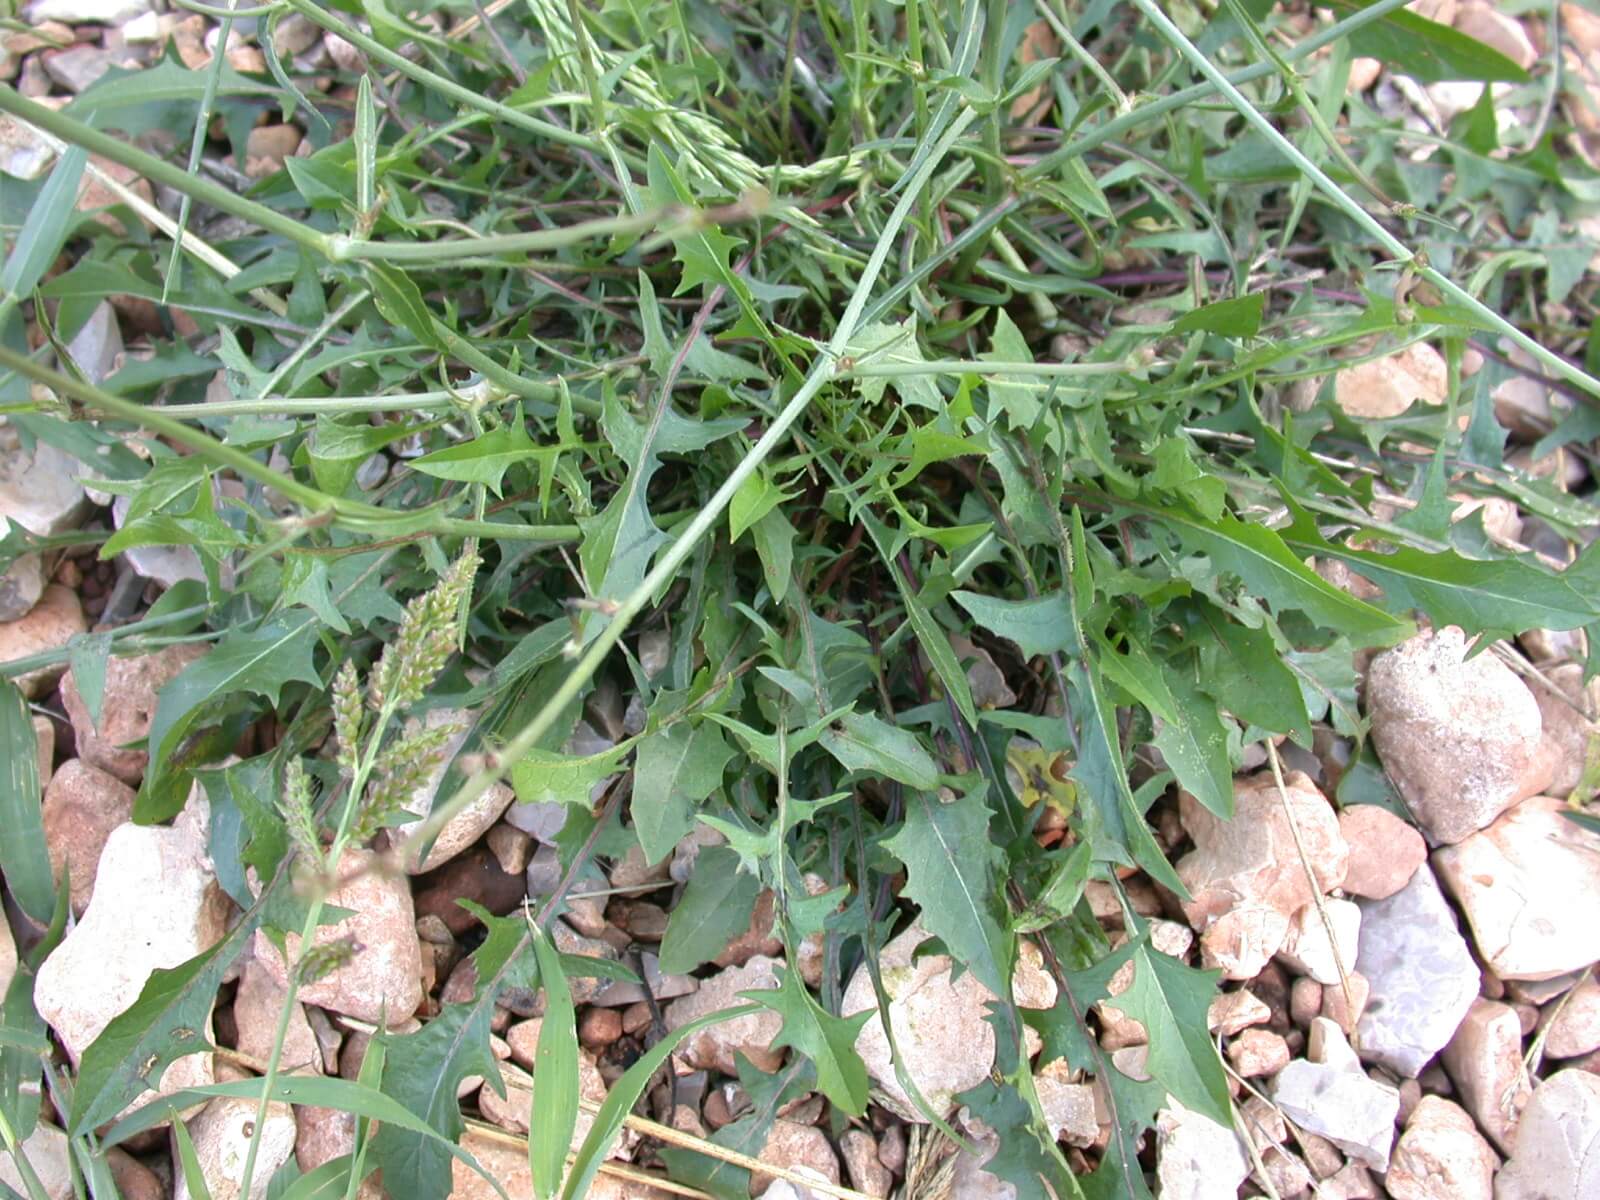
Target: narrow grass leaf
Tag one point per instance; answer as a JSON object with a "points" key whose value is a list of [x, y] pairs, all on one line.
{"points": [[23, 856], [194, 1179], [555, 1074], [625, 1093], [44, 230]]}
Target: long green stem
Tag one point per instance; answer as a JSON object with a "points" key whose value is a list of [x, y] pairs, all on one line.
{"points": [[354, 514], [673, 558], [1179, 42], [158, 170]]}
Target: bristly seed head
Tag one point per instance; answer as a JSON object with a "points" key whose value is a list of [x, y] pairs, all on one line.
{"points": [[427, 637]]}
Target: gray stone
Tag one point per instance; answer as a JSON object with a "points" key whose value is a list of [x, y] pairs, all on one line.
{"points": [[39, 490], [1484, 1060], [48, 625], [21, 586], [1421, 973], [166, 565], [1460, 736], [76, 69], [1557, 1151], [1196, 1158], [97, 346], [1352, 1111], [156, 905], [47, 1153], [222, 1134]]}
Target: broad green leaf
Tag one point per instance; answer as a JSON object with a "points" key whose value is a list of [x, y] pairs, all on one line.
{"points": [[306, 580], [1195, 745], [1024, 1157], [1426, 50], [400, 301], [23, 857], [555, 1074], [862, 742], [1245, 671], [546, 777], [676, 768], [1239, 317], [1170, 1000], [624, 1094], [1500, 596], [896, 345], [338, 445], [619, 542], [774, 538], [929, 444], [714, 909], [828, 1041], [485, 459], [1061, 892], [259, 661], [952, 874], [1113, 821], [166, 81], [931, 637], [1259, 557], [1042, 625]]}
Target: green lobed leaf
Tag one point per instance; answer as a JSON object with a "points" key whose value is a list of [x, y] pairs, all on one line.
{"points": [[485, 459], [1259, 557], [828, 1041], [1426, 50], [1042, 625], [952, 874], [423, 1070], [1171, 1001], [1238, 317], [546, 777], [675, 769], [1195, 744], [1244, 670]]}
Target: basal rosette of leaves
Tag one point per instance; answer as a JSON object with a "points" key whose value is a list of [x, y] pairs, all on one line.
{"points": [[759, 363]]}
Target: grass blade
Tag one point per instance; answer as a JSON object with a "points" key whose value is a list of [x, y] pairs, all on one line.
{"points": [[22, 849], [624, 1094], [555, 1074]]}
